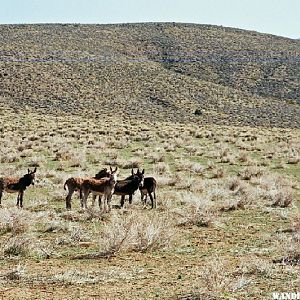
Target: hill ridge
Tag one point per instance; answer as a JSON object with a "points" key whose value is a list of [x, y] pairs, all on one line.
{"points": [[166, 71]]}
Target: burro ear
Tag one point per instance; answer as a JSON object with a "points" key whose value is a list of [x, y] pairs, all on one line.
{"points": [[111, 169], [34, 170], [28, 171], [143, 172], [116, 170], [132, 172]]}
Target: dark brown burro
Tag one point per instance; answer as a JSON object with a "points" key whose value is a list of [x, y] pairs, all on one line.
{"points": [[148, 188], [73, 184], [17, 185], [104, 186], [129, 185]]}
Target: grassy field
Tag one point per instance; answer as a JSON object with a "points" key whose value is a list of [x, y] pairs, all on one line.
{"points": [[227, 224]]}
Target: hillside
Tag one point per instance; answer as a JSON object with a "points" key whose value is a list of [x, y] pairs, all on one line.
{"points": [[154, 71]]}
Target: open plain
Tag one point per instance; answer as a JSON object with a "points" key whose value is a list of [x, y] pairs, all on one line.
{"points": [[220, 134]]}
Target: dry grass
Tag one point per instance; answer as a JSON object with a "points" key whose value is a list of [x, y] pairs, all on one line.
{"points": [[207, 205], [135, 232]]}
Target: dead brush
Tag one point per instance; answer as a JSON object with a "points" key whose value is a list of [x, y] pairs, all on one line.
{"points": [[36, 161], [135, 232], [197, 169], [43, 249], [191, 150], [74, 236], [250, 172], [161, 168], [73, 276], [157, 157], [190, 166], [183, 165], [236, 194], [255, 266], [15, 274], [9, 158], [234, 184], [282, 197], [288, 249], [20, 245], [243, 157], [151, 233], [15, 220], [55, 226], [293, 160], [194, 211], [78, 159], [295, 220], [217, 172], [278, 191], [228, 159], [166, 180], [216, 281]]}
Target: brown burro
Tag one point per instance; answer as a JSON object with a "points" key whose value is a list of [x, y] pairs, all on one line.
{"points": [[103, 186], [17, 185], [73, 184]]}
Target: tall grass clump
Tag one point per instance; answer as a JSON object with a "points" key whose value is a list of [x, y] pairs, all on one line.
{"points": [[136, 232], [14, 220]]}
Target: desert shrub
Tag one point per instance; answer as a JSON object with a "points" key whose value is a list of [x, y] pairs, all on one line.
{"points": [[216, 281], [16, 273], [131, 163], [14, 220], [74, 276], [215, 277], [191, 150], [198, 169], [243, 157], [151, 233], [250, 172], [295, 220], [255, 266], [217, 172], [293, 156], [189, 166], [194, 210], [167, 180], [20, 245], [230, 159], [288, 248], [293, 160], [78, 159], [282, 197], [135, 233], [161, 168], [234, 184], [157, 157], [184, 165], [9, 158], [43, 249], [55, 226], [76, 234], [75, 157], [36, 161], [276, 190]]}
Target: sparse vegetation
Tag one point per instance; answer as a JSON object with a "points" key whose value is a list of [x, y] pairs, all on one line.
{"points": [[227, 222]]}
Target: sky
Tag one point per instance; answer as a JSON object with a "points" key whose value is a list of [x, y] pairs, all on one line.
{"points": [[279, 17]]}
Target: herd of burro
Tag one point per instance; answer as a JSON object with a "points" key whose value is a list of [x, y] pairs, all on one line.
{"points": [[104, 183]]}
